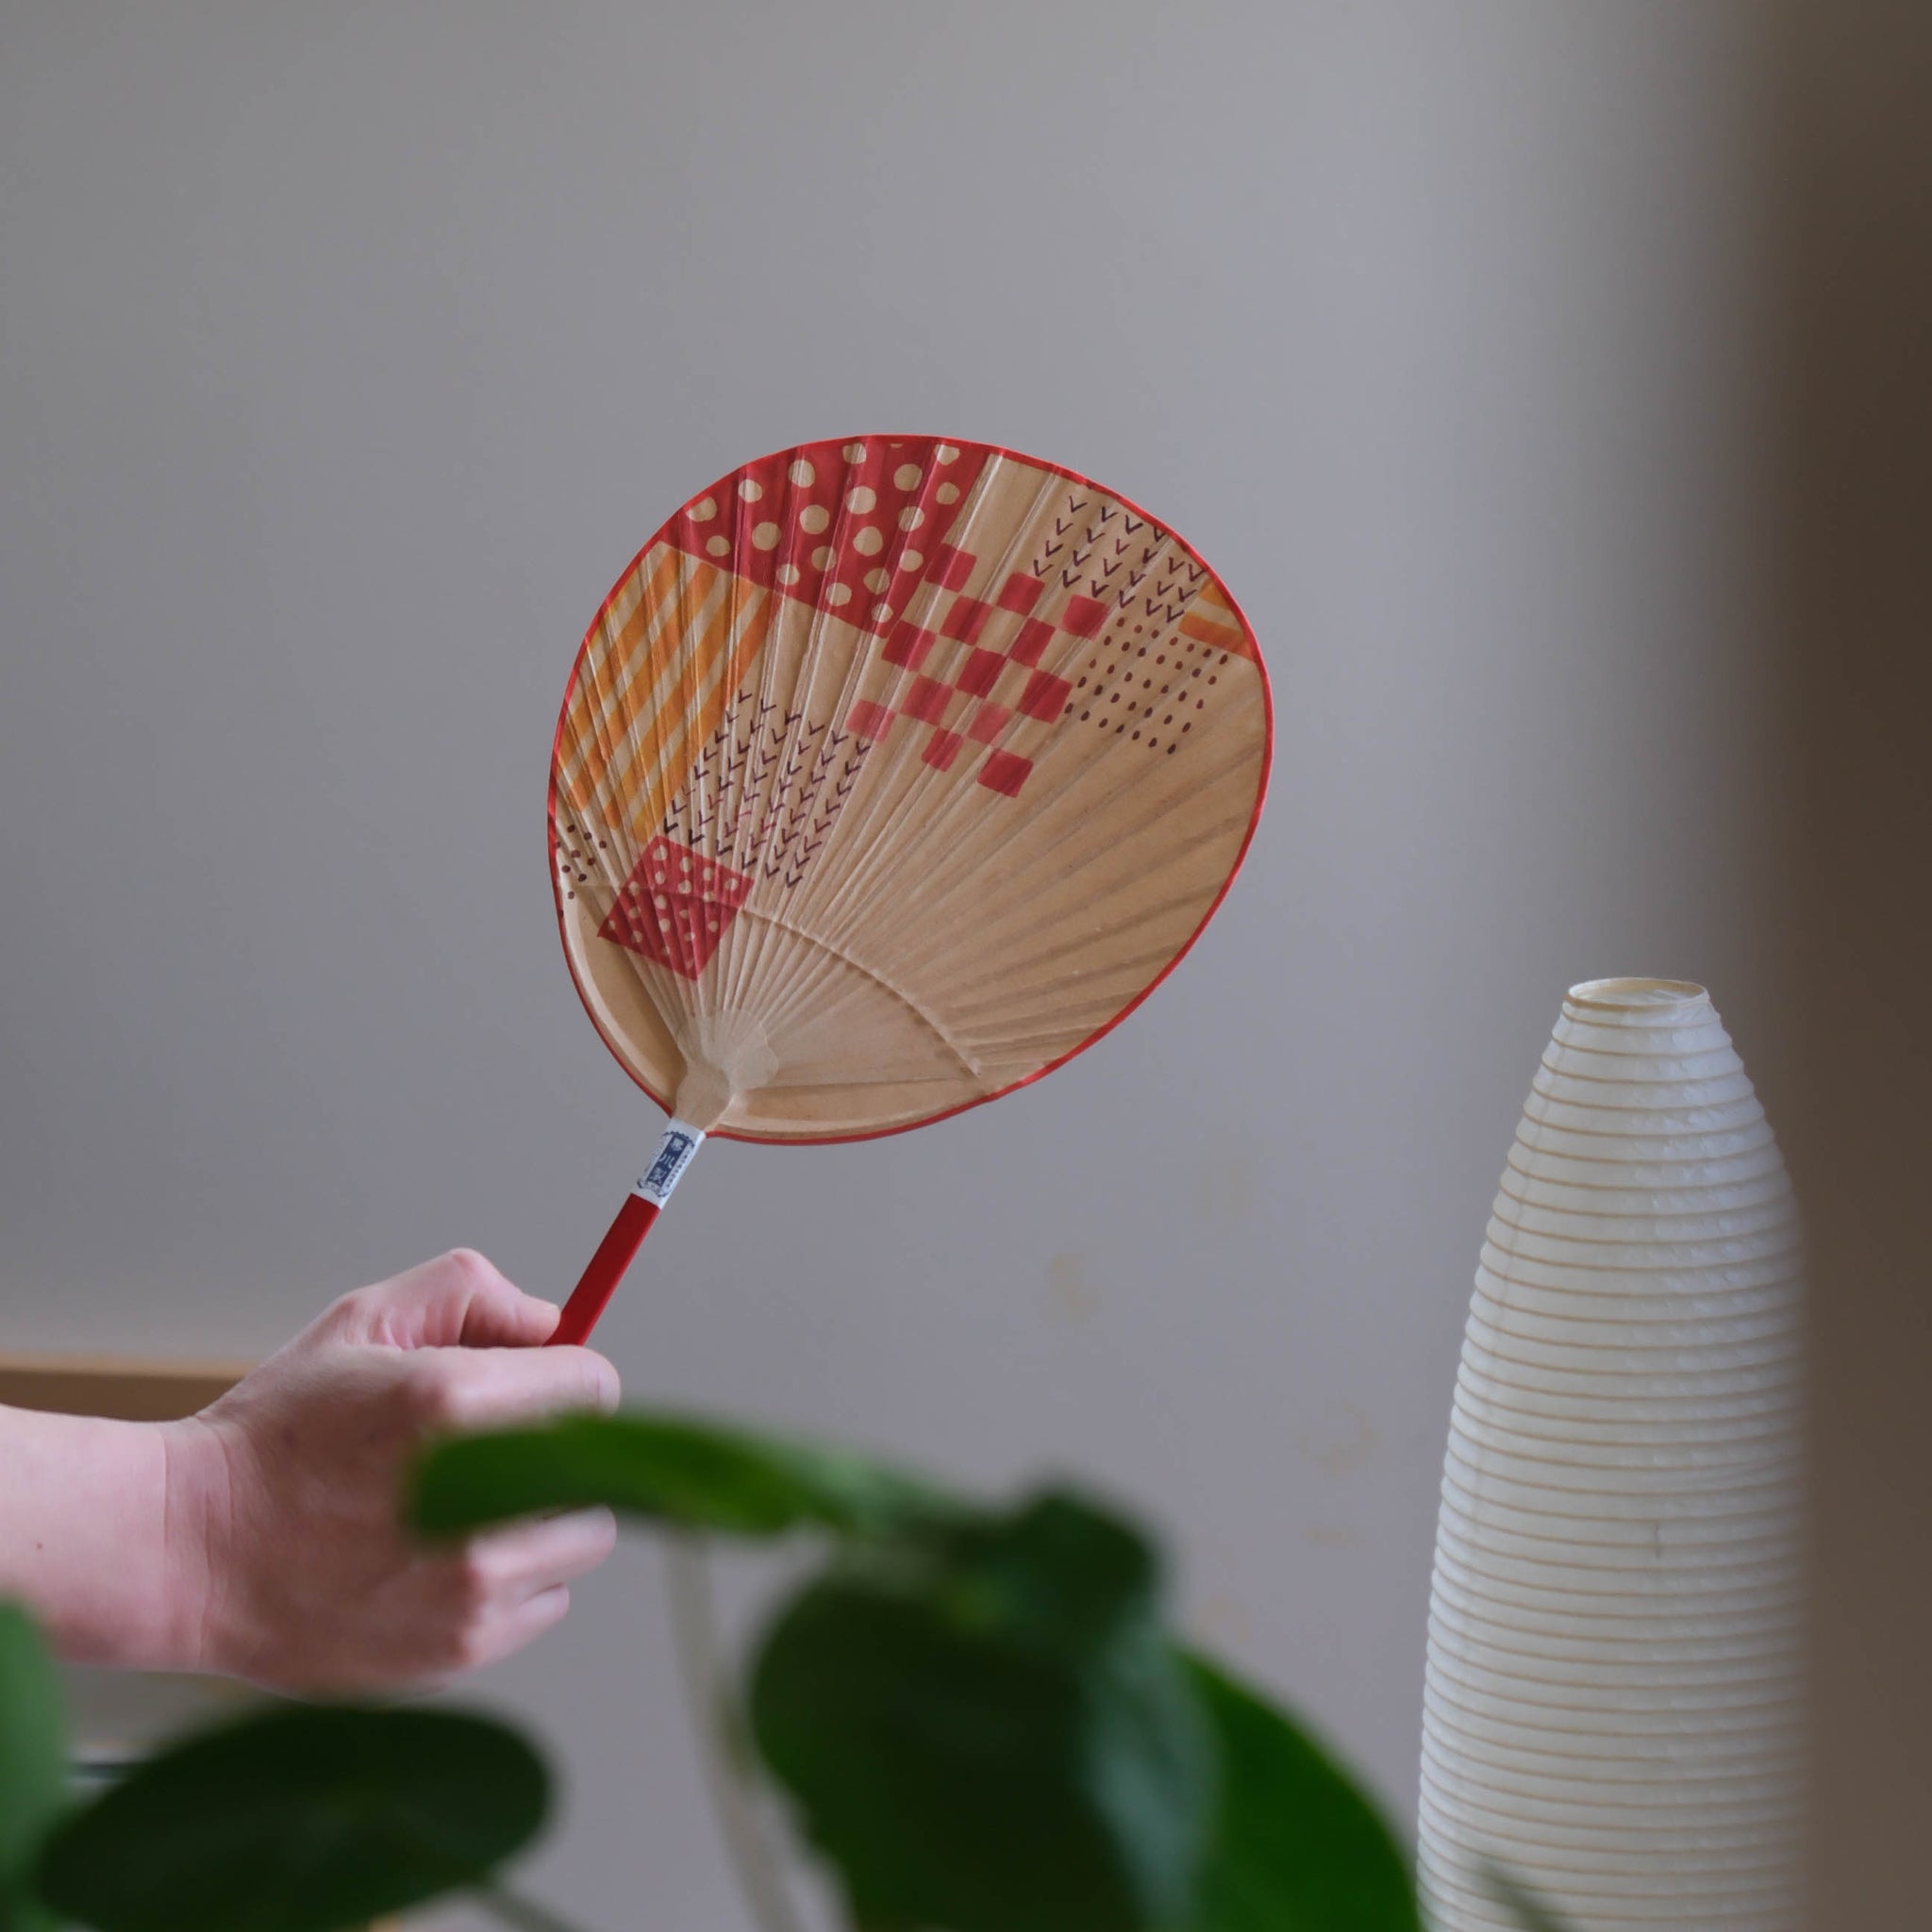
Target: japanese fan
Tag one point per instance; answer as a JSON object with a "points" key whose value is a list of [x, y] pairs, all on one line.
{"points": [[891, 773]]}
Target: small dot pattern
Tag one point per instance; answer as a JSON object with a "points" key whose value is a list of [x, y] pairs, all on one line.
{"points": [[830, 517]]}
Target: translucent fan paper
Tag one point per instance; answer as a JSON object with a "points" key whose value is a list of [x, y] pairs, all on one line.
{"points": [[892, 773]]}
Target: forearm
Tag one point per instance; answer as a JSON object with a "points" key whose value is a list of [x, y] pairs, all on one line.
{"points": [[86, 1541]]}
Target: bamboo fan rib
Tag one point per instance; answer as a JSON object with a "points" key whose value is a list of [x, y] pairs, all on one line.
{"points": [[892, 773], [1610, 1707]]}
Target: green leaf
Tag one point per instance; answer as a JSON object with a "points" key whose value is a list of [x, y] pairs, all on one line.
{"points": [[1523, 1905], [1297, 1846], [1056, 1572], [298, 1820], [990, 1734], [671, 1468], [33, 1763]]}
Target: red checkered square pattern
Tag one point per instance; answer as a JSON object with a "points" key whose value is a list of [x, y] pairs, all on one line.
{"points": [[926, 698], [675, 906], [1031, 645], [980, 672], [909, 645], [966, 619], [1004, 772], [955, 651], [1045, 695], [1083, 617]]}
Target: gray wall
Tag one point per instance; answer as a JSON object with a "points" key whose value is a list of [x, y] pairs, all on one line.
{"points": [[347, 354]]}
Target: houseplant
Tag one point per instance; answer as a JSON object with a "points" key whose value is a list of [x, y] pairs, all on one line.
{"points": [[975, 1713]]}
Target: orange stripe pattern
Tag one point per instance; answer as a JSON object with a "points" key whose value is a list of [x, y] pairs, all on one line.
{"points": [[656, 671], [1211, 621]]}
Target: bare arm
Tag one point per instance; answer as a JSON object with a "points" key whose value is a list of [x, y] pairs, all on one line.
{"points": [[261, 1539], [84, 1537]]}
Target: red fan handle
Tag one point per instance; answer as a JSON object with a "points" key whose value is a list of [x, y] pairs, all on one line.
{"points": [[641, 1207]]}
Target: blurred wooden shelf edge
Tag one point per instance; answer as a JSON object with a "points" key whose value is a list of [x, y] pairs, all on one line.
{"points": [[136, 1389], [130, 1388]]}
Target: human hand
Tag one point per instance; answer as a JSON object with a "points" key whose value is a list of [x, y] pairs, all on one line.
{"points": [[284, 1497]]}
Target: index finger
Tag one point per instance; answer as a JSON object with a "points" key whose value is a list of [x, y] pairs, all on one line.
{"points": [[480, 1388]]}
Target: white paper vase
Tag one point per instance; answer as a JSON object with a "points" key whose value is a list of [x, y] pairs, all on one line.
{"points": [[1611, 1705]]}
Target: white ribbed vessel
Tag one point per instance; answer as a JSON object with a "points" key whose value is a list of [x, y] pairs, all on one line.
{"points": [[1612, 1699]]}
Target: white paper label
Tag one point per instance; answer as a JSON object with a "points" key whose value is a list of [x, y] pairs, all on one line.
{"points": [[674, 1151]]}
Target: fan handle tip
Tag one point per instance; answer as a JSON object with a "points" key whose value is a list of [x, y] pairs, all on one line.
{"points": [[618, 1248]]}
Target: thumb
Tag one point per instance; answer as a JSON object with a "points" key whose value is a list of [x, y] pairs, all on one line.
{"points": [[460, 1300]]}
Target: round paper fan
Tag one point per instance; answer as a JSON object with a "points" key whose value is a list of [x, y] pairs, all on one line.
{"points": [[891, 773]]}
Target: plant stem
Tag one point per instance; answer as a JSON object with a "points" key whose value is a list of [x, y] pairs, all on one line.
{"points": [[695, 1634], [524, 1914]]}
